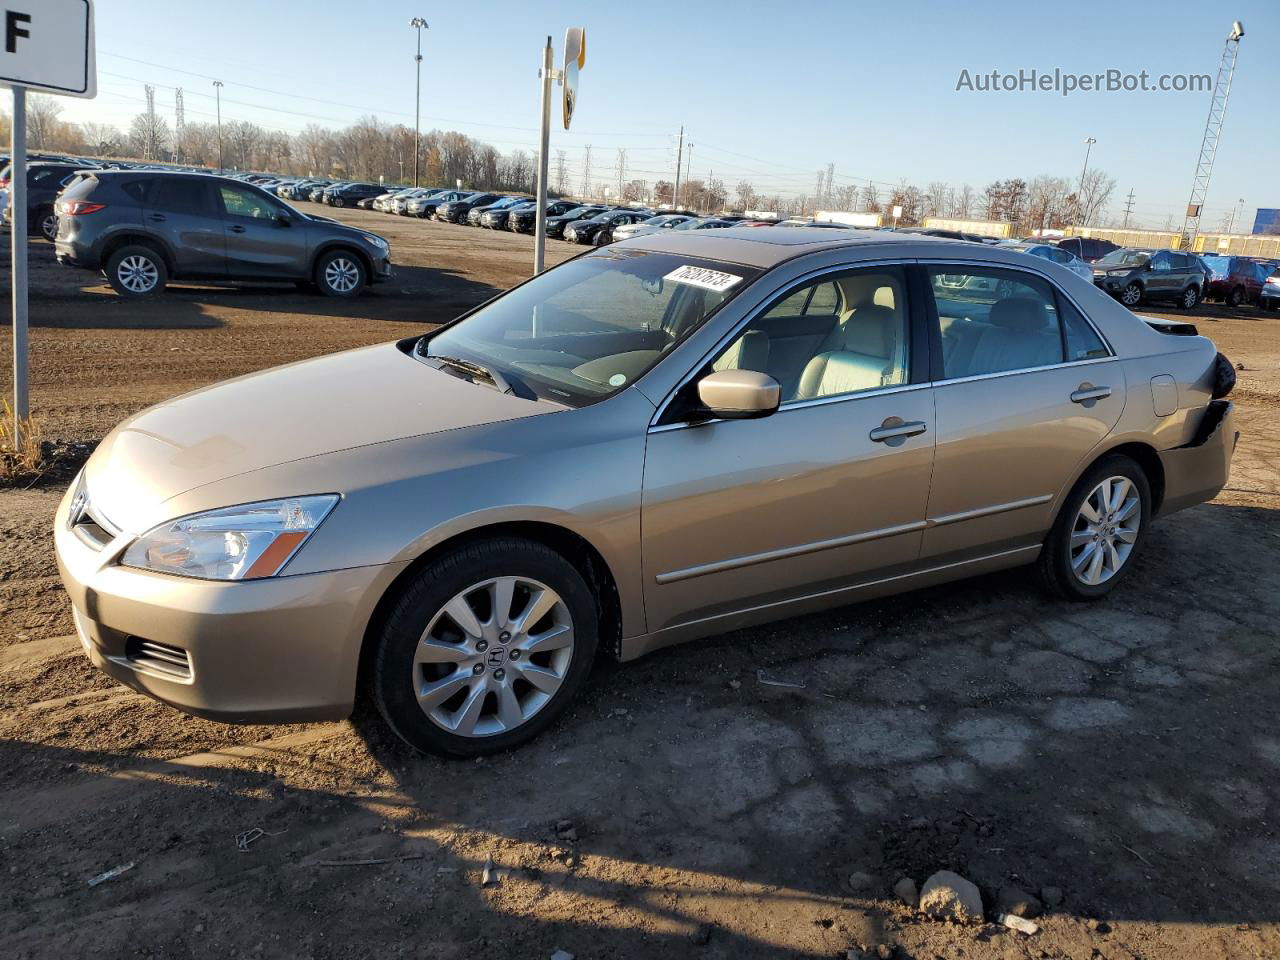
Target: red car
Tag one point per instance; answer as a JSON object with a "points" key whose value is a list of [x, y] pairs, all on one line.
{"points": [[1236, 280]]}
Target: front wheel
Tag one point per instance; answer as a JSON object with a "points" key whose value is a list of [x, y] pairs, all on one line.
{"points": [[485, 647], [1190, 297], [337, 202], [136, 271], [340, 274], [1099, 530], [1131, 295]]}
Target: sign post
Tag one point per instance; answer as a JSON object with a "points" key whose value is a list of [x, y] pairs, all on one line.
{"points": [[48, 47], [575, 57]]}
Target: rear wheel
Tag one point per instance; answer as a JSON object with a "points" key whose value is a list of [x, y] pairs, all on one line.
{"points": [[340, 273], [1099, 530], [136, 271], [485, 647], [47, 222], [1131, 295], [1236, 297], [337, 202]]}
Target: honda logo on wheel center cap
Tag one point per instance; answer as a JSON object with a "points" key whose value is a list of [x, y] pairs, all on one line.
{"points": [[497, 657]]}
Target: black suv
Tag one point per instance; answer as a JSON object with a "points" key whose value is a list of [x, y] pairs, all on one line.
{"points": [[1133, 275], [44, 182], [144, 228]]}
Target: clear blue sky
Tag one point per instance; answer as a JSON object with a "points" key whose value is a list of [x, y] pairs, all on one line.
{"points": [[767, 92]]}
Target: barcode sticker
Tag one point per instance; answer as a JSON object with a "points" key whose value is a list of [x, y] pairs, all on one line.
{"points": [[702, 277]]}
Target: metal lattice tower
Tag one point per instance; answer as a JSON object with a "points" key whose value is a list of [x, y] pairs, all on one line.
{"points": [[179, 125], [1212, 133], [149, 141]]}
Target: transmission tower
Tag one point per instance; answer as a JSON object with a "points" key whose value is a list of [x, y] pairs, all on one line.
{"points": [[586, 170], [1212, 133], [826, 190], [1128, 209], [622, 171], [149, 141], [179, 126]]}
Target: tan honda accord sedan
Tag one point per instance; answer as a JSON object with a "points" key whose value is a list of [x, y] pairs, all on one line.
{"points": [[661, 440]]}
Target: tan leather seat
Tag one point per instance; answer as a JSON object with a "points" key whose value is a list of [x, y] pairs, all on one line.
{"points": [[864, 355], [1018, 334], [749, 352]]}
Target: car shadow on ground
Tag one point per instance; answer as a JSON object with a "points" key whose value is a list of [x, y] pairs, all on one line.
{"points": [[1125, 752]]}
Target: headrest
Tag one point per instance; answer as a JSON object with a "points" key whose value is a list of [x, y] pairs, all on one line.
{"points": [[872, 330], [1019, 313]]}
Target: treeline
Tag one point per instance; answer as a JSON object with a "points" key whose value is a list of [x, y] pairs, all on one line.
{"points": [[370, 149]]}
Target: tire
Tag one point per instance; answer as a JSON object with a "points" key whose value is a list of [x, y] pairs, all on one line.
{"points": [[1190, 298], [337, 202], [471, 667], [1068, 570], [47, 223], [340, 273], [1131, 295], [1236, 297], [136, 271]]}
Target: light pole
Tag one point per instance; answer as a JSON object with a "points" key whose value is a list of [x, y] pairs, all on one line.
{"points": [[217, 89], [418, 24], [1088, 145]]}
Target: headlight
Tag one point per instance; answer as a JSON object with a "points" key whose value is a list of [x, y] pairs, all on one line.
{"points": [[377, 242], [235, 543]]}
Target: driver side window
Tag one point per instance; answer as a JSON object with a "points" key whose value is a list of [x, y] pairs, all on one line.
{"points": [[246, 203], [838, 335]]}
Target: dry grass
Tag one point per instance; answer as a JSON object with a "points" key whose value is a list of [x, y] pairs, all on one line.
{"points": [[21, 457]]}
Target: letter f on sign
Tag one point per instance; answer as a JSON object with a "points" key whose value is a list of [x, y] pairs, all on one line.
{"points": [[12, 30]]}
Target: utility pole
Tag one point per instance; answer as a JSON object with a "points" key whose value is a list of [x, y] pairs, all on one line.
{"points": [[675, 190], [179, 126], [418, 24], [688, 166], [1212, 133], [217, 88], [1128, 208], [1080, 213]]}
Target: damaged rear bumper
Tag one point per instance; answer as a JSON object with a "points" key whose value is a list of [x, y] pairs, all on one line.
{"points": [[1198, 470]]}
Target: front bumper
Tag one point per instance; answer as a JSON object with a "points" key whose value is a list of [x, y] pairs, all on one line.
{"points": [[280, 650], [1111, 285]]}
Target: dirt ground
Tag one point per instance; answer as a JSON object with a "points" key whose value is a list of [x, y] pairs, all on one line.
{"points": [[1125, 752]]}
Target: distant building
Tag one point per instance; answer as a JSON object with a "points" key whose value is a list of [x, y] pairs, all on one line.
{"points": [[1267, 220]]}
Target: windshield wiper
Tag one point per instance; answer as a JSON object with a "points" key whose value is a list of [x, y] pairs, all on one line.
{"points": [[474, 370]]}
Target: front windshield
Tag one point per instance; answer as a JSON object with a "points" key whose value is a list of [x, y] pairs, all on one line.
{"points": [[1124, 258], [577, 211], [586, 329]]}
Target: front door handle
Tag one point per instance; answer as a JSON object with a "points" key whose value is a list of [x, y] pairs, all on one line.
{"points": [[895, 430], [1087, 394], [236, 229], [157, 217]]}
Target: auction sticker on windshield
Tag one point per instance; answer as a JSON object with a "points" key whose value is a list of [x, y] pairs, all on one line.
{"points": [[702, 277]]}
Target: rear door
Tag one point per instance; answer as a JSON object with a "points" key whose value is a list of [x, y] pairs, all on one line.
{"points": [[264, 239], [1026, 390], [183, 213]]}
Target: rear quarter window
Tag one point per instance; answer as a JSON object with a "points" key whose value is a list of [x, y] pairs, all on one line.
{"points": [[135, 190]]}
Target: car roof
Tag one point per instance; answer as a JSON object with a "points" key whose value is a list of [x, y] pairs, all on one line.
{"points": [[768, 248]]}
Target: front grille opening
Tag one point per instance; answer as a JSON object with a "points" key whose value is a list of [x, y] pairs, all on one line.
{"points": [[158, 657], [94, 529]]}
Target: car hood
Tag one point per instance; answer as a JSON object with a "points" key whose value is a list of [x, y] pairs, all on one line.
{"points": [[338, 402]]}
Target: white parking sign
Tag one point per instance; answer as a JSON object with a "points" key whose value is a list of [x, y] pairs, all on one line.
{"points": [[48, 45]]}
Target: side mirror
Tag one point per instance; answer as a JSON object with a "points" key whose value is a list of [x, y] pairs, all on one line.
{"points": [[284, 219], [739, 394]]}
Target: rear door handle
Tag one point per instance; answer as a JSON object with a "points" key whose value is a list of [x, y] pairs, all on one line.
{"points": [[236, 229], [896, 429], [157, 217], [1088, 393]]}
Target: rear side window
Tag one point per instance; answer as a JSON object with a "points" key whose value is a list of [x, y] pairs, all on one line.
{"points": [[181, 196], [135, 190], [994, 321], [1082, 341]]}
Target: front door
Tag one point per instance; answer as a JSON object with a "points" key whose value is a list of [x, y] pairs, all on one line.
{"points": [[1029, 390], [183, 212], [829, 490], [264, 238]]}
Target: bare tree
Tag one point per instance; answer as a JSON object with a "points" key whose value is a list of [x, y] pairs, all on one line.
{"points": [[101, 139], [746, 195], [935, 200], [562, 173], [149, 135], [43, 120], [1095, 192], [962, 207], [871, 198]]}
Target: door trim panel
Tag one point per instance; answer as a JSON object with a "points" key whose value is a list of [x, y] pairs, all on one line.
{"points": [[988, 511], [784, 553]]}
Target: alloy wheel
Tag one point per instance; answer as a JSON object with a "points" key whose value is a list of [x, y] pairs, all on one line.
{"points": [[1131, 295], [1105, 530], [138, 274], [49, 226], [1190, 298], [493, 656], [342, 274]]}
